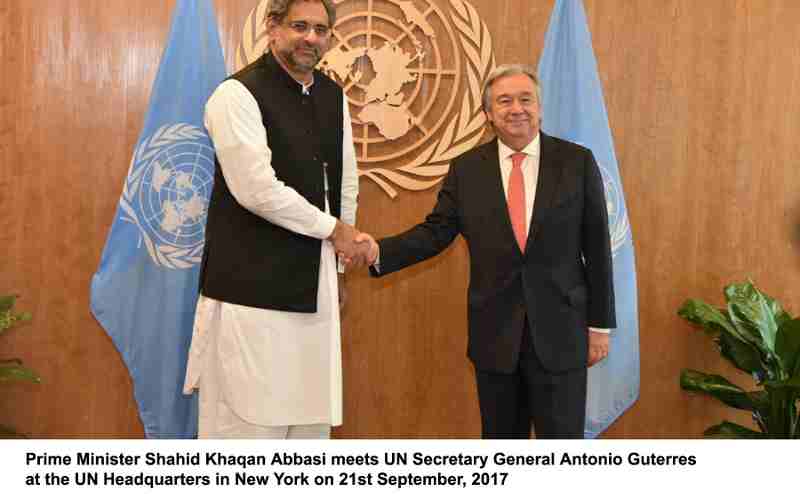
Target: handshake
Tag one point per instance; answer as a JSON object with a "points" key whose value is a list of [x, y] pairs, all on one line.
{"points": [[354, 248]]}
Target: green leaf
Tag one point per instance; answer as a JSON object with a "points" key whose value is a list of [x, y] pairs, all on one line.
{"points": [[743, 355], [7, 302], [15, 372], [729, 430], [752, 315], [707, 316], [792, 384], [781, 316], [761, 402], [8, 319], [787, 346], [719, 388]]}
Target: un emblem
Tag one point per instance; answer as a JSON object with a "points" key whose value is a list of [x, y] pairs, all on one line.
{"points": [[619, 227], [412, 72], [167, 191]]}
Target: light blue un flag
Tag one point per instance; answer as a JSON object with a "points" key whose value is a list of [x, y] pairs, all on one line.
{"points": [[145, 290], [573, 109]]}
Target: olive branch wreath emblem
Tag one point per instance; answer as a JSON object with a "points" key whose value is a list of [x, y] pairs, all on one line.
{"points": [[168, 256], [466, 127]]}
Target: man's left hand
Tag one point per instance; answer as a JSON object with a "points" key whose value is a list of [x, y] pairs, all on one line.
{"points": [[598, 347]]}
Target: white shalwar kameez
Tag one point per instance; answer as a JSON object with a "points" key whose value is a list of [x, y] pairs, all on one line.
{"points": [[258, 368]]}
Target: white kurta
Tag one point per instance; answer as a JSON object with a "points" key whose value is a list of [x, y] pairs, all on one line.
{"points": [[271, 368]]}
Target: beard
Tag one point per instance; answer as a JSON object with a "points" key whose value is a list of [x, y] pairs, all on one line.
{"points": [[304, 61]]}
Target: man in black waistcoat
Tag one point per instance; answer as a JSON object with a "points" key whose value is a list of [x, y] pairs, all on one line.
{"points": [[532, 210], [266, 353]]}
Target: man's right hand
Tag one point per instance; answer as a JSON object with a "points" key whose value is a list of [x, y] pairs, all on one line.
{"points": [[343, 239], [354, 248], [370, 250]]}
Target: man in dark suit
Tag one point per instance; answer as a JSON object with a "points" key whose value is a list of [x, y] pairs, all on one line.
{"points": [[532, 210]]}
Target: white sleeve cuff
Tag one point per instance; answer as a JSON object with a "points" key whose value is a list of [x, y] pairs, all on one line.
{"points": [[324, 226]]}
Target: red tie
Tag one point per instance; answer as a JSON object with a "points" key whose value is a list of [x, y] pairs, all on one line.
{"points": [[516, 200]]}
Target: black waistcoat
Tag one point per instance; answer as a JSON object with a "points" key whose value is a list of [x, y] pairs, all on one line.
{"points": [[247, 260]]}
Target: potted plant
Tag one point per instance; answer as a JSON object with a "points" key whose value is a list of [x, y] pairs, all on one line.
{"points": [[758, 337], [12, 369]]}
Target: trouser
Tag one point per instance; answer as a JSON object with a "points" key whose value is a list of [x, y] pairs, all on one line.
{"points": [[554, 402], [218, 421]]}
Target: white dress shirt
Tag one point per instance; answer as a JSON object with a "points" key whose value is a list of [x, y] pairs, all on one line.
{"points": [[272, 368]]}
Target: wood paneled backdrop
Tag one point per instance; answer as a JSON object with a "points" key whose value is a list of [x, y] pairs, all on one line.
{"points": [[703, 100]]}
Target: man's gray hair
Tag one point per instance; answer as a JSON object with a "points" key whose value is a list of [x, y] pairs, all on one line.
{"points": [[505, 71], [277, 9]]}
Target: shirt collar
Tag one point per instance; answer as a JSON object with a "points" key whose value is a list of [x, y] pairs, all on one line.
{"points": [[532, 149]]}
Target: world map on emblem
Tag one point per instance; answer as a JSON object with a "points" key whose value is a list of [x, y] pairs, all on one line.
{"points": [[174, 193], [412, 72], [395, 72]]}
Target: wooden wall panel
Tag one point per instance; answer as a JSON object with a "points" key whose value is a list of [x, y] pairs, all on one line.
{"points": [[698, 95], [702, 99], [78, 87]]}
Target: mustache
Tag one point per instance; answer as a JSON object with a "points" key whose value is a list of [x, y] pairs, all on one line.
{"points": [[311, 49]]}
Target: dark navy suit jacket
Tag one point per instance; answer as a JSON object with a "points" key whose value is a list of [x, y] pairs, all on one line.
{"points": [[562, 281]]}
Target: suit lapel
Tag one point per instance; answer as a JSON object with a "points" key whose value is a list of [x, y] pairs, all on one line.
{"points": [[546, 185]]}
